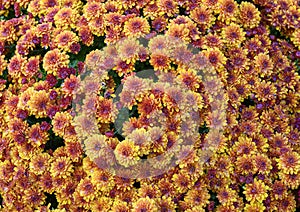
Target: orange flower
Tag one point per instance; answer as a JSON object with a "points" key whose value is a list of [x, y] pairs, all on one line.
{"points": [[65, 39], [233, 35], [61, 167], [86, 189], [263, 64], [144, 204], [249, 15], [227, 196], [39, 103], [66, 18], [197, 197], [126, 153], [168, 7], [53, 60], [215, 57], [228, 11], [245, 164], [136, 27], [289, 162], [265, 91], [203, 16], [256, 191]]}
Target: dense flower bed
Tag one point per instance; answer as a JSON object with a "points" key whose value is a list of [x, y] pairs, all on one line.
{"points": [[46, 46]]}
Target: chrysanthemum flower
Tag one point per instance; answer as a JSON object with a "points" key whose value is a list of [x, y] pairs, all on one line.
{"points": [[93, 10], [65, 39], [16, 66], [263, 164], [141, 138], [136, 27], [244, 145], [213, 5], [279, 190], [215, 57], [254, 207], [97, 26], [120, 206], [61, 167], [93, 144], [128, 49], [203, 16], [182, 182], [144, 204], [60, 121], [66, 18], [265, 91], [53, 60], [233, 35], [159, 24], [71, 85], [166, 204], [197, 197], [263, 64], [101, 203], [126, 153], [245, 164], [105, 110], [39, 103], [256, 191], [249, 15], [168, 7], [288, 203], [86, 189], [227, 196], [32, 67], [102, 180], [179, 31], [228, 11], [289, 162]]}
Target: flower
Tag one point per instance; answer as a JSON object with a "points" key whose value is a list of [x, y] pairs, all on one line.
{"points": [[245, 164], [61, 167], [279, 190], [39, 103], [53, 60], [254, 207], [263, 64], [289, 162], [71, 85], [197, 197], [101, 204], [227, 196], [60, 122], [228, 11], [120, 206], [128, 49], [160, 61], [203, 16], [256, 191], [215, 57], [126, 153], [105, 109], [144, 204], [136, 27], [102, 180], [86, 189], [244, 146], [93, 144], [263, 164], [265, 91], [249, 15], [296, 38], [66, 18], [168, 7], [65, 39], [233, 35]]}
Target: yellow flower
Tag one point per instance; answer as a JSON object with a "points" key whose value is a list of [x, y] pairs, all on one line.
{"points": [[126, 153], [256, 191], [136, 27]]}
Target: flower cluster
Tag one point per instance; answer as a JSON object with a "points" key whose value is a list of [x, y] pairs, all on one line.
{"points": [[242, 157]]}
